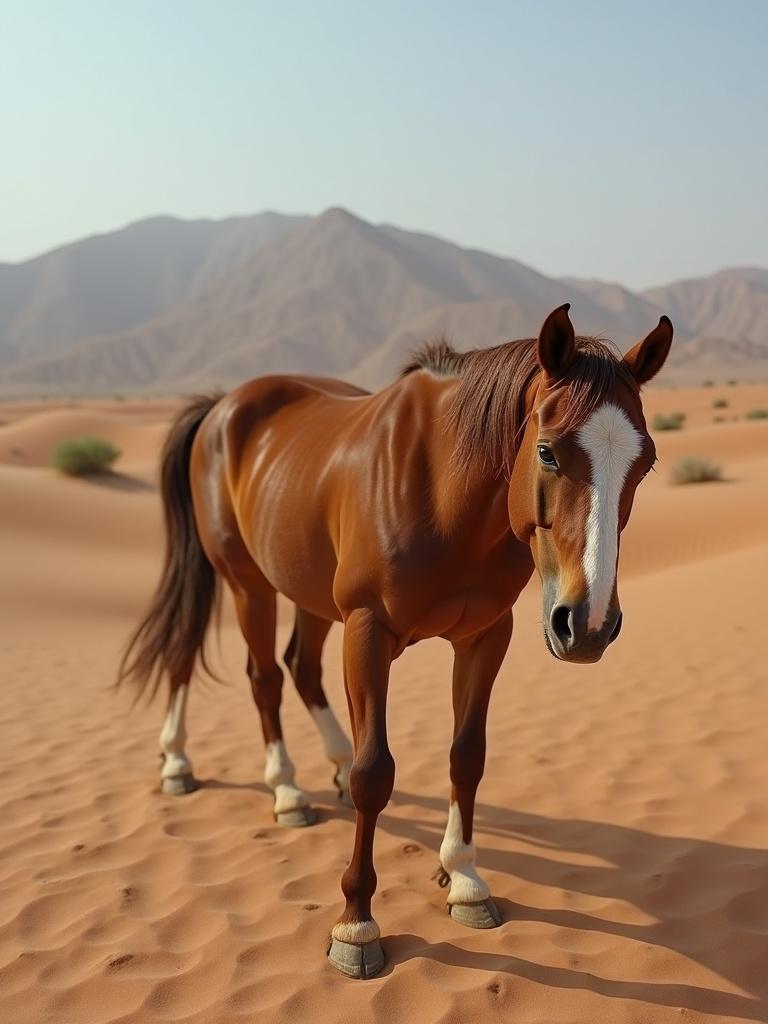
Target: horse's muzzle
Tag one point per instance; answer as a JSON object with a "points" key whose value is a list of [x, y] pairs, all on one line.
{"points": [[569, 639]]}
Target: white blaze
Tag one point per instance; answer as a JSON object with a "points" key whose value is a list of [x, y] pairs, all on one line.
{"points": [[612, 445]]}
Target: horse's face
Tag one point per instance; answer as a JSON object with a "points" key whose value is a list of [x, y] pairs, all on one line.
{"points": [[572, 488]]}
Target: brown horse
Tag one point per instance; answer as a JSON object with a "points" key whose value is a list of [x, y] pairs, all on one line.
{"points": [[416, 512]]}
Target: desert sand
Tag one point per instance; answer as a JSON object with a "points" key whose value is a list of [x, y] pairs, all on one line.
{"points": [[622, 822]]}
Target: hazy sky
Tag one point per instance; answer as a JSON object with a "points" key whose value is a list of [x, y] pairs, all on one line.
{"points": [[623, 140]]}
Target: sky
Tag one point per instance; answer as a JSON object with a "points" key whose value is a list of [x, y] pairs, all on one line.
{"points": [[620, 140]]}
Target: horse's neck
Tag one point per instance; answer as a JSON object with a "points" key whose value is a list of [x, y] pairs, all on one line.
{"points": [[470, 501]]}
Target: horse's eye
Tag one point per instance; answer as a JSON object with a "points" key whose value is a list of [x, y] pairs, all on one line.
{"points": [[546, 456]]}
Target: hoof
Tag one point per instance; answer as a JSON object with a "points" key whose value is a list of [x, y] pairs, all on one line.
{"points": [[476, 915], [298, 818], [356, 961], [178, 785]]}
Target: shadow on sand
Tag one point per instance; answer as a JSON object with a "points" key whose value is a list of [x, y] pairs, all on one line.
{"points": [[119, 481], [685, 885]]}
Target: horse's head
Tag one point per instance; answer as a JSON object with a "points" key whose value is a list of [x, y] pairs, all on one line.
{"points": [[583, 453]]}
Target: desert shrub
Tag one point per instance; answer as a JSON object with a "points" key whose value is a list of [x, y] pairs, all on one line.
{"points": [[720, 403], [668, 421], [695, 470], [719, 419], [83, 455], [732, 383], [757, 414], [708, 383]]}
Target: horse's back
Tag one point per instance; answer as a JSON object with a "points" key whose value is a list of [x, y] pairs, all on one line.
{"points": [[269, 413], [289, 388]]}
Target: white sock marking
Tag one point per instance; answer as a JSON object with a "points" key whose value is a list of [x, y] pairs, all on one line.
{"points": [[356, 932], [279, 776], [337, 747], [612, 445], [173, 736], [458, 859]]}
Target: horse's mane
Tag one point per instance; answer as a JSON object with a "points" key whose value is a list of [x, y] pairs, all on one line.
{"points": [[489, 411]]}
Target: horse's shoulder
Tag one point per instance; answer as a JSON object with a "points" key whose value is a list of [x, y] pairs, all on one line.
{"points": [[416, 399]]}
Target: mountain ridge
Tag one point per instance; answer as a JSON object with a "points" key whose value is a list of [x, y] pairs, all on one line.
{"points": [[165, 303]]}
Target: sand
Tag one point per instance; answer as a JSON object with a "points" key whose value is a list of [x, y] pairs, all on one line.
{"points": [[622, 823]]}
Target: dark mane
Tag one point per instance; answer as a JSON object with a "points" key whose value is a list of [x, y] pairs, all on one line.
{"points": [[489, 412], [438, 356]]}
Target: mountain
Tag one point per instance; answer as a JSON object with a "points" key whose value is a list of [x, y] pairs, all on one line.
{"points": [[168, 305], [112, 282], [730, 304]]}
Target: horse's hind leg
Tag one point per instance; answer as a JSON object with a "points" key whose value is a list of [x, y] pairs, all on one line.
{"points": [[257, 613], [176, 774], [303, 658]]}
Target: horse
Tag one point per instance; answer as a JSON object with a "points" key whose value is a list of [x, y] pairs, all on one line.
{"points": [[417, 511]]}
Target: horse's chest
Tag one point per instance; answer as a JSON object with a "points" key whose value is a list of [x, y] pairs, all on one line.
{"points": [[455, 604], [460, 615]]}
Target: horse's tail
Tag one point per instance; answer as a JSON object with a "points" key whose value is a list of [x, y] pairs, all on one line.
{"points": [[171, 636]]}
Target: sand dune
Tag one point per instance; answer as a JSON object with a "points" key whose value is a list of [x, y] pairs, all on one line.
{"points": [[621, 822], [30, 441], [698, 403], [674, 525]]}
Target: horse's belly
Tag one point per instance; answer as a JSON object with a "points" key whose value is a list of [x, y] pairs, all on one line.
{"points": [[296, 556], [308, 592]]}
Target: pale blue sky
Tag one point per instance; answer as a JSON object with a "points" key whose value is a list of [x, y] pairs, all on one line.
{"points": [[625, 140]]}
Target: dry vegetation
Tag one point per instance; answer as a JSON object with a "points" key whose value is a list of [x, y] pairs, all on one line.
{"points": [[83, 456], [668, 421], [695, 470]]}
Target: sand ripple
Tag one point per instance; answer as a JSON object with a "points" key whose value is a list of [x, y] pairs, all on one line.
{"points": [[621, 824]]}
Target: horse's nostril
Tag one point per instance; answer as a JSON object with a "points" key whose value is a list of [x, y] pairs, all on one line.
{"points": [[616, 628], [562, 623]]}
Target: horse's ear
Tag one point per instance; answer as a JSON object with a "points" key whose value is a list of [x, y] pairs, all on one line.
{"points": [[647, 357], [556, 346]]}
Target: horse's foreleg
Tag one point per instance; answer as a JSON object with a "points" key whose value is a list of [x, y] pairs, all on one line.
{"points": [[303, 658], [474, 671], [176, 773], [368, 649]]}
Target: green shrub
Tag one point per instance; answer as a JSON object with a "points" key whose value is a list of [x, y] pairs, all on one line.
{"points": [[695, 470], [720, 403], [668, 421], [83, 455], [757, 414]]}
